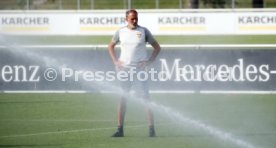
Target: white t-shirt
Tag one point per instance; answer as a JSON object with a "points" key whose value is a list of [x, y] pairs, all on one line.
{"points": [[133, 44]]}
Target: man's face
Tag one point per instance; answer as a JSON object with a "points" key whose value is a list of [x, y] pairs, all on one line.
{"points": [[132, 20]]}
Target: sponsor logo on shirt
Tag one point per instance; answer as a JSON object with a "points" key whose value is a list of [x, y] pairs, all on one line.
{"points": [[139, 34]]}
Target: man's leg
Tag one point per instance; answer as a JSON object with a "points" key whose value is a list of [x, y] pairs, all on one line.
{"points": [[150, 119], [150, 116], [125, 86], [121, 112], [121, 117], [142, 91]]}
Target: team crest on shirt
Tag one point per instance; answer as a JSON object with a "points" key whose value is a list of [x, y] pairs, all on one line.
{"points": [[138, 34]]}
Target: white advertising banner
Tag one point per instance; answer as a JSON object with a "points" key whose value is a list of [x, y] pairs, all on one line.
{"points": [[159, 22]]}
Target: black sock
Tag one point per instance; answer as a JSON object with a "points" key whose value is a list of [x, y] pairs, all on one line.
{"points": [[120, 128]]}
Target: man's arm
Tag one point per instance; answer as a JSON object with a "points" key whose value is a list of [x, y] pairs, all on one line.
{"points": [[111, 50], [112, 53], [150, 39], [155, 52]]}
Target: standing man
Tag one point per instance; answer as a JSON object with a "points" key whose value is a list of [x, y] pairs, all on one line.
{"points": [[133, 39]]}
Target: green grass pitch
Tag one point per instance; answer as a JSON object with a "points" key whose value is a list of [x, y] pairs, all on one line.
{"points": [[104, 40], [88, 120]]}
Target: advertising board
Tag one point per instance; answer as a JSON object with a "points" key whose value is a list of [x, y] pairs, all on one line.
{"points": [[160, 22], [174, 70]]}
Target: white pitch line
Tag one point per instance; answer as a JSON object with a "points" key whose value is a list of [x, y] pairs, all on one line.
{"points": [[80, 130], [69, 131], [58, 120], [238, 92], [57, 132], [197, 46], [44, 91], [151, 92]]}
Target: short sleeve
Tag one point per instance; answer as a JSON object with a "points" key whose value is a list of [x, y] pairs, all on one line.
{"points": [[116, 38], [149, 38]]}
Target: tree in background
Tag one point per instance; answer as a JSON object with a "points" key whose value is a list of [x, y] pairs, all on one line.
{"points": [[218, 3], [214, 3], [258, 3], [21, 3], [194, 4]]}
